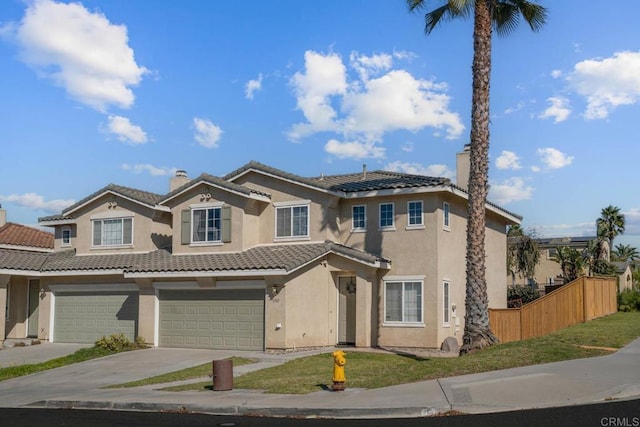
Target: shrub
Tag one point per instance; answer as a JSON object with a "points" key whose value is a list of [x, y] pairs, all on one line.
{"points": [[524, 293], [629, 300], [119, 342]]}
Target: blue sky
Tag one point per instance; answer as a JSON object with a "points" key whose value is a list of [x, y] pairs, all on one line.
{"points": [[128, 91]]}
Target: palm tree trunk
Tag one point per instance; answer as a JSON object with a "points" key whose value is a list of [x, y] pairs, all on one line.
{"points": [[477, 333]]}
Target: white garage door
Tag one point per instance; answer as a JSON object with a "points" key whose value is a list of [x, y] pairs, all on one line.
{"points": [[86, 317], [216, 319]]}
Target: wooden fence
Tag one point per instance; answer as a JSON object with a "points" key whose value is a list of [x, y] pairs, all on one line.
{"points": [[583, 299]]}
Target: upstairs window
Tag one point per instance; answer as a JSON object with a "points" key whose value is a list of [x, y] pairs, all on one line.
{"points": [[206, 225], [359, 217], [292, 221], [112, 232], [445, 216], [386, 215], [414, 214], [66, 236]]}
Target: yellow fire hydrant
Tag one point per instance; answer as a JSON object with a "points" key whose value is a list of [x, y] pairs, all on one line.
{"points": [[339, 361]]}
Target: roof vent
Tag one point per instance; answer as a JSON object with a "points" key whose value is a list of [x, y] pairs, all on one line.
{"points": [[364, 171], [181, 173]]}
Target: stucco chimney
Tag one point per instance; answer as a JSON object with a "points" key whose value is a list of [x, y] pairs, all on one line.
{"points": [[3, 216], [178, 180], [462, 167]]}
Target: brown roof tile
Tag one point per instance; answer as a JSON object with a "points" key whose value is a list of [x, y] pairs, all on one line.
{"points": [[21, 235], [11, 259]]}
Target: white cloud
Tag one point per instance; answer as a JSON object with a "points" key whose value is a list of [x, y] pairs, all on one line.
{"points": [[37, 202], [150, 169], [535, 168], [407, 147], [418, 169], [632, 222], [368, 65], [511, 190], [354, 150], [607, 83], [563, 230], [126, 131], [80, 51], [207, 134], [508, 160], [519, 106], [404, 55], [554, 159], [377, 101], [558, 110], [252, 87], [556, 74]]}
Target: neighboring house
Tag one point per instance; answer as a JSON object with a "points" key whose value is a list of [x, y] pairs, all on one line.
{"points": [[549, 271], [19, 294], [625, 276], [262, 258]]}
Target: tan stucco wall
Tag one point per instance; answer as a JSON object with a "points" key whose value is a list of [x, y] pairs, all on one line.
{"points": [[146, 310], [15, 326], [4, 283], [323, 209], [148, 233], [244, 219]]}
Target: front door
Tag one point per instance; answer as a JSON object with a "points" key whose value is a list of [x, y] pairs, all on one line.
{"points": [[34, 299], [347, 310]]}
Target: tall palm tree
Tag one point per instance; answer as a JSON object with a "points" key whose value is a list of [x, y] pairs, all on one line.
{"points": [[504, 16], [610, 224]]}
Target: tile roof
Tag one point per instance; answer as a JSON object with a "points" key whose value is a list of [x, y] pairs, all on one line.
{"points": [[379, 180], [141, 196], [214, 180], [554, 242], [21, 235], [287, 257], [12, 259]]}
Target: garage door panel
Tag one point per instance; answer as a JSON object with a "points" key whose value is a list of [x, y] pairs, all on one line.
{"points": [[86, 317], [220, 319]]}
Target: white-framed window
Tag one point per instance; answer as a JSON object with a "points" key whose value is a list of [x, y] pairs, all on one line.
{"points": [[386, 216], [551, 253], [551, 281], [206, 225], [112, 231], [403, 301], [65, 235], [292, 220], [446, 315], [358, 217], [414, 214], [446, 220]]}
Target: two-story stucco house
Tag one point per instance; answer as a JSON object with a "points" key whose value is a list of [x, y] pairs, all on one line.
{"points": [[265, 259]]}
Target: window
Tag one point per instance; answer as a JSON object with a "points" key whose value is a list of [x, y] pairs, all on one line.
{"points": [[445, 215], [445, 303], [552, 253], [386, 215], [403, 301], [206, 225], [292, 221], [112, 232], [414, 213], [359, 217], [66, 236]]}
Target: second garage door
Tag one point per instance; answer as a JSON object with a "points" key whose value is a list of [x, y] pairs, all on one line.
{"points": [[216, 319]]}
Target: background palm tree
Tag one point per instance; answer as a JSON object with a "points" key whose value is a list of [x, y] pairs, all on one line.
{"points": [[625, 253], [610, 224], [504, 15]]}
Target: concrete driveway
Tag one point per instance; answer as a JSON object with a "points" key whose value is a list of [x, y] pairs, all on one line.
{"points": [[93, 374], [14, 356]]}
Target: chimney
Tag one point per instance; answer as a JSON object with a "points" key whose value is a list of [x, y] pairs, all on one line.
{"points": [[462, 167], [3, 216], [178, 180]]}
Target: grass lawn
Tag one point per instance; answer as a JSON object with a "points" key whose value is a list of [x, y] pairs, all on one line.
{"points": [[79, 356], [372, 370], [183, 374]]}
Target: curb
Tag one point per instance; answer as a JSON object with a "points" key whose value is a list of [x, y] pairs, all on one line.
{"points": [[408, 412]]}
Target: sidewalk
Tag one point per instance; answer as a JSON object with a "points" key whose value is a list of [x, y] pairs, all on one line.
{"points": [[616, 376]]}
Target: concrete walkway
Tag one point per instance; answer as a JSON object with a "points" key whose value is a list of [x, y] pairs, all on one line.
{"points": [[616, 376]]}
